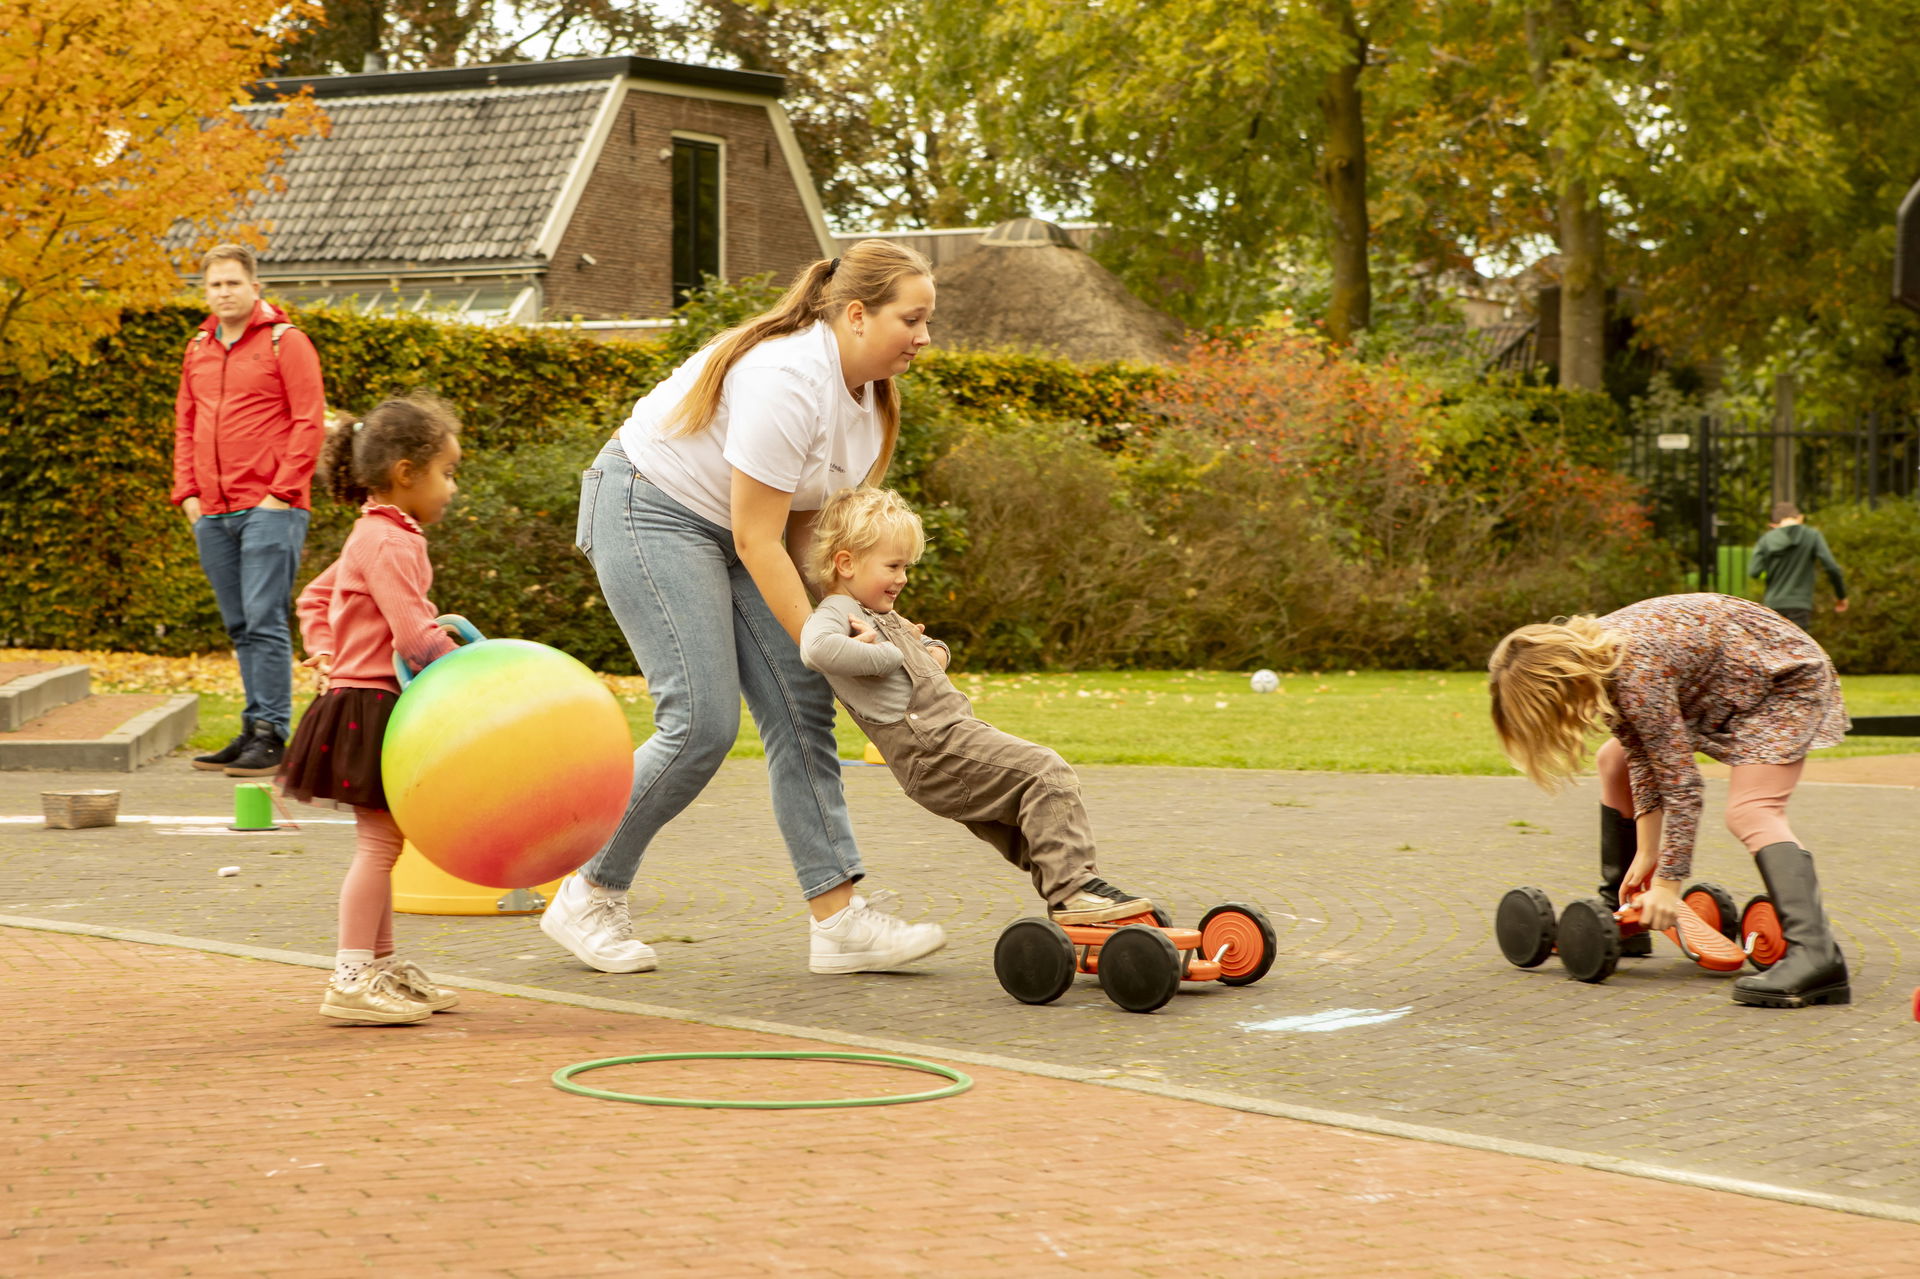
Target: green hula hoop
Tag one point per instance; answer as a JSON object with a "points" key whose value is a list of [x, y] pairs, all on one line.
{"points": [[563, 1080]]}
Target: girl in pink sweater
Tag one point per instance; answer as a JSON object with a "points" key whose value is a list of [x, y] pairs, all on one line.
{"points": [[397, 465]]}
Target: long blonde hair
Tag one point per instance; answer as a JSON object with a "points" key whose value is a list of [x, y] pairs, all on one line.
{"points": [[855, 520], [1549, 687], [869, 273]]}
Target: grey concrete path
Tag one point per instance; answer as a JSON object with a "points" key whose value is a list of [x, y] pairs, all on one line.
{"points": [[1382, 889]]}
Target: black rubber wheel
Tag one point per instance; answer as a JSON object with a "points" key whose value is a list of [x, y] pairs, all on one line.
{"points": [[1715, 905], [1524, 927], [1034, 960], [1760, 934], [1139, 968], [1247, 934], [1589, 940], [1163, 917]]}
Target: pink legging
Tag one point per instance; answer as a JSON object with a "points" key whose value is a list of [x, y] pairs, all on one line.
{"points": [[1757, 796], [366, 894]]}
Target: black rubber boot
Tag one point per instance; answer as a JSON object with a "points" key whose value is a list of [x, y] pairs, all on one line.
{"points": [[260, 756], [1619, 842], [1813, 971], [226, 754]]}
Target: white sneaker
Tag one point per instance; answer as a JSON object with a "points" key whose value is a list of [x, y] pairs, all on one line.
{"points": [[862, 939], [596, 929]]}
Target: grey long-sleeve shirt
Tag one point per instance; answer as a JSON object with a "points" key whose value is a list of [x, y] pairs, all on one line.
{"points": [[870, 678]]}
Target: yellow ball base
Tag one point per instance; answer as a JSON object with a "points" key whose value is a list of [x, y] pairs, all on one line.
{"points": [[873, 755], [421, 888]]}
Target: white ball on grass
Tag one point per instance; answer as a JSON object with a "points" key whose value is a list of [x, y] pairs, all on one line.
{"points": [[1265, 681]]}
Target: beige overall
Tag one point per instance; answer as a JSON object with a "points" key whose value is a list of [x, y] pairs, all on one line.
{"points": [[1020, 797]]}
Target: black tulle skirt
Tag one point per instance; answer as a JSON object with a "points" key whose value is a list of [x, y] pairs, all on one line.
{"points": [[335, 752]]}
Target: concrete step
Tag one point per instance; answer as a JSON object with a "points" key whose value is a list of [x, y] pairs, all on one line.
{"points": [[29, 690], [108, 732]]}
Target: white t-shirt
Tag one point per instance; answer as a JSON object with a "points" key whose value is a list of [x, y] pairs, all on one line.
{"points": [[785, 418]]}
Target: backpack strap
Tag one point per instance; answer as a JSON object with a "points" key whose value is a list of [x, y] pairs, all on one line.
{"points": [[279, 330]]}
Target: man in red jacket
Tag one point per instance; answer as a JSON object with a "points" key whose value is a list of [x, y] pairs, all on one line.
{"points": [[247, 433]]}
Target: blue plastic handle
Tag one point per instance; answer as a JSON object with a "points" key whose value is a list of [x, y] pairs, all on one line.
{"points": [[467, 632]]}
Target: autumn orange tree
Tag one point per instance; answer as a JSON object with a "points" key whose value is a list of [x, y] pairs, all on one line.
{"points": [[116, 126]]}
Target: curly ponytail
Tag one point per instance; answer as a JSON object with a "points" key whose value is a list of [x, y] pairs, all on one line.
{"points": [[336, 460], [360, 453]]}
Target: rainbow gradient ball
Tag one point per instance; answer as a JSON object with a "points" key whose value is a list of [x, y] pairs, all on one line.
{"points": [[507, 763]]}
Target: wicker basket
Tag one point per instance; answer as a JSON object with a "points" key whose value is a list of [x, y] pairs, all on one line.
{"points": [[75, 809]]}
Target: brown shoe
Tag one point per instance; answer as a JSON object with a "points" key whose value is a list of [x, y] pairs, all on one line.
{"points": [[374, 1000], [418, 987]]}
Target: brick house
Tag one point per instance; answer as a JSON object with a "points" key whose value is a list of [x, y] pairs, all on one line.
{"points": [[596, 189]]}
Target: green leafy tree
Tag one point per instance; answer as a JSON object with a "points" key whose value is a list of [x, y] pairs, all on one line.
{"points": [[1210, 135], [1734, 162]]}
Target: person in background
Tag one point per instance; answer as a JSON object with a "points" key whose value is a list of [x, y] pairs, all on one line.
{"points": [[1785, 556], [248, 421]]}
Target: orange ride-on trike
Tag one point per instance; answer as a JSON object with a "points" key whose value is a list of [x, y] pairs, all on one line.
{"points": [[1141, 961], [1588, 935]]}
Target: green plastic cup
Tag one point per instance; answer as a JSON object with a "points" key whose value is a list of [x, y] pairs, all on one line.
{"points": [[253, 806]]}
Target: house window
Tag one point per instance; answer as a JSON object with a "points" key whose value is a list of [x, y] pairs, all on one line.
{"points": [[696, 214]]}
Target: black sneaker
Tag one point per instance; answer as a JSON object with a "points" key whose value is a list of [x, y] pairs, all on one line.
{"points": [[260, 756], [226, 754], [1098, 902]]}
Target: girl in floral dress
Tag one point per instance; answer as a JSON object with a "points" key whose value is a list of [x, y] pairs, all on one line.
{"points": [[1669, 677]]}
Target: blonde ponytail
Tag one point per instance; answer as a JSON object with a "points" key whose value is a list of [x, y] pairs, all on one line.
{"points": [[870, 273]]}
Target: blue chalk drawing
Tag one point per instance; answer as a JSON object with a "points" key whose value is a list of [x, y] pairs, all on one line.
{"points": [[1333, 1019]]}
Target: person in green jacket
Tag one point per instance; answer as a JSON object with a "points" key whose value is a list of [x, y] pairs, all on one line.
{"points": [[1785, 556]]}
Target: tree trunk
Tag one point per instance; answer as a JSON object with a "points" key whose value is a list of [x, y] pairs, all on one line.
{"points": [[1343, 181], [1583, 224], [1583, 289]]}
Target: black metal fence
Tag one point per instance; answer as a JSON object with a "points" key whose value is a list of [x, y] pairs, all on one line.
{"points": [[1712, 480]]}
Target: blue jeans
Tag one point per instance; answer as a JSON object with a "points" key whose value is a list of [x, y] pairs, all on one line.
{"points": [[251, 559], [704, 638]]}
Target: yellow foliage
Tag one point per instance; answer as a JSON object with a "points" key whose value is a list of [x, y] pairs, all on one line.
{"points": [[117, 122]]}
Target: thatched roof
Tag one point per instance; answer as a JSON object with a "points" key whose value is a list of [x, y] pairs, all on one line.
{"points": [[1027, 287]]}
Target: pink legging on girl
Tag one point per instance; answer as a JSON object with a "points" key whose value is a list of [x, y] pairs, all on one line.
{"points": [[1757, 796], [366, 895]]}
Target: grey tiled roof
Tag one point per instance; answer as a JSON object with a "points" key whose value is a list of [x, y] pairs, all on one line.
{"points": [[463, 176]]}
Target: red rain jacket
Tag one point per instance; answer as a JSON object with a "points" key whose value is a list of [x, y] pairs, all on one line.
{"points": [[248, 422]]}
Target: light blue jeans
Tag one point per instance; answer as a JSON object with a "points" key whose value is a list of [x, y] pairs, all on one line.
{"points": [[251, 559], [704, 638]]}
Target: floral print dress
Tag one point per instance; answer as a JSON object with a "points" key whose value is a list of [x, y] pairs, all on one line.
{"points": [[1719, 675]]}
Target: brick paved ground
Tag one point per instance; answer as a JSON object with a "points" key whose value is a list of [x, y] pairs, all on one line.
{"points": [[172, 1112], [1382, 889]]}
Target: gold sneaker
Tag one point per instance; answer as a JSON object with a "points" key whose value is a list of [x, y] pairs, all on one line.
{"points": [[418, 987], [374, 1000]]}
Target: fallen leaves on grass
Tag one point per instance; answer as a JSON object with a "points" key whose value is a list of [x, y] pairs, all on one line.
{"points": [[211, 673]]}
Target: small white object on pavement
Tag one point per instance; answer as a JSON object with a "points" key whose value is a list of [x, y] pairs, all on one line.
{"points": [[229, 870]]}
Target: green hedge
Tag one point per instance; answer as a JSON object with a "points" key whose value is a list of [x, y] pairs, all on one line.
{"points": [[95, 557], [92, 555], [1078, 516]]}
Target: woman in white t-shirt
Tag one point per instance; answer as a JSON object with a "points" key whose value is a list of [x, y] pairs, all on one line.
{"points": [[695, 516]]}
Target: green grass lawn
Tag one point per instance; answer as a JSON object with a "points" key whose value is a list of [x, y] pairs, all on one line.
{"points": [[1372, 721]]}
